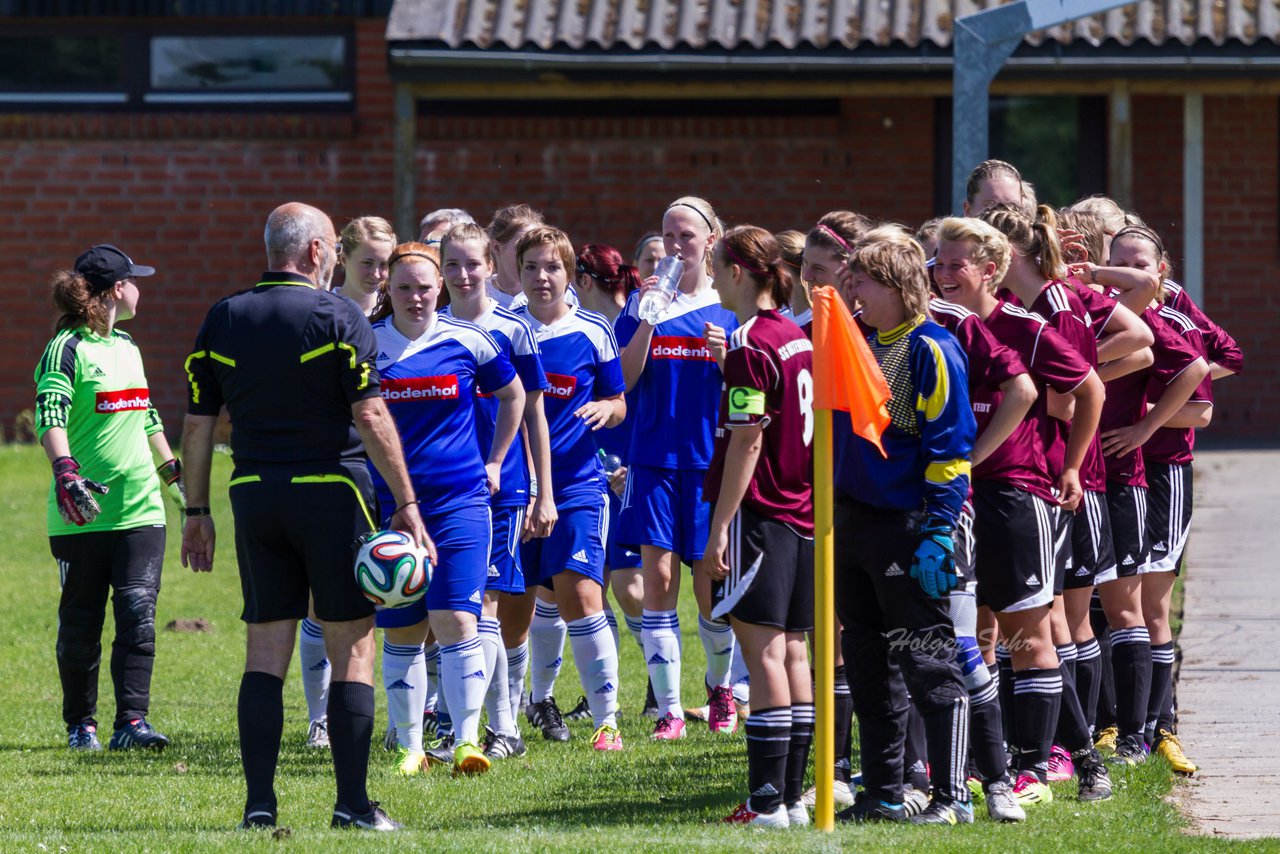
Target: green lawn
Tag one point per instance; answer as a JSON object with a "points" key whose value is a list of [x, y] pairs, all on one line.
{"points": [[560, 797]]}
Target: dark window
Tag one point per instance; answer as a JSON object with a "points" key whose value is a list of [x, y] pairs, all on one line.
{"points": [[60, 67], [1043, 137]]}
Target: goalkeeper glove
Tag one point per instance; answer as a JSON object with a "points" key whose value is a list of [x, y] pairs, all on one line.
{"points": [[75, 499], [170, 473], [934, 564]]}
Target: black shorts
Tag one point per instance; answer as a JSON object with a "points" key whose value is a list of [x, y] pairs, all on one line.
{"points": [[1127, 507], [1093, 556], [964, 544], [1062, 548], [1015, 535], [770, 579], [295, 538], [1168, 516]]}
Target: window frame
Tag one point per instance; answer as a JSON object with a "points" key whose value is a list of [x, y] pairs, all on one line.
{"points": [[136, 94]]}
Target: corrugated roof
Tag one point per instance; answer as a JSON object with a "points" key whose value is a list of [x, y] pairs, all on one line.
{"points": [[636, 25]]}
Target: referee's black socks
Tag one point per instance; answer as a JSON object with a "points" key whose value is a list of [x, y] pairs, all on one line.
{"points": [[350, 734], [260, 715]]}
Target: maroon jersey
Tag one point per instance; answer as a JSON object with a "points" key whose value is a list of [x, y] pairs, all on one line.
{"points": [[1126, 401], [1098, 306], [1064, 311], [1219, 346], [991, 364], [1172, 444], [768, 381], [1053, 363]]}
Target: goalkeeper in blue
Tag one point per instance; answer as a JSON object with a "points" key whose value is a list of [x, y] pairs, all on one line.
{"points": [[895, 519]]}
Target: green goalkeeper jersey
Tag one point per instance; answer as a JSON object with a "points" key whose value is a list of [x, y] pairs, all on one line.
{"points": [[95, 388]]}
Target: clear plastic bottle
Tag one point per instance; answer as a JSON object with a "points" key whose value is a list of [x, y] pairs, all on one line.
{"points": [[656, 299]]}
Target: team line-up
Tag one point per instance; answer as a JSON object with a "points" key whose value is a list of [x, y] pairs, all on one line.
{"points": [[550, 425]]}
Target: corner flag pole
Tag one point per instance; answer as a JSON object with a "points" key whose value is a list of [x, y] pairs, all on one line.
{"points": [[824, 736]]}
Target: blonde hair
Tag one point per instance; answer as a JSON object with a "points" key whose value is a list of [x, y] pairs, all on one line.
{"points": [[706, 214], [1105, 209], [1035, 238], [508, 221], [467, 231], [366, 229], [1091, 228], [891, 256], [985, 242]]}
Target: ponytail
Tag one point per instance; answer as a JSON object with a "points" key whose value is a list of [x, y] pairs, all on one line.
{"points": [[757, 252], [1052, 266], [77, 302]]}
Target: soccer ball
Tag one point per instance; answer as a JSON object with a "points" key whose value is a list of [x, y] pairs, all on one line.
{"points": [[391, 569]]}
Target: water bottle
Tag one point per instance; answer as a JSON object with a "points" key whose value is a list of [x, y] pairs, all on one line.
{"points": [[611, 462], [655, 300]]}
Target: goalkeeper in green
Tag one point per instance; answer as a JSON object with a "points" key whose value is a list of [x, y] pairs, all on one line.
{"points": [[106, 516]]}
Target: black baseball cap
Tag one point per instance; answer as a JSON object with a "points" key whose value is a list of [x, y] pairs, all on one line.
{"points": [[104, 265]]}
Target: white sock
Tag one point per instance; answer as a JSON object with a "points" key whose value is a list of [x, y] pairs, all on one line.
{"points": [[613, 627], [517, 667], [662, 657], [404, 676], [432, 658], [595, 652], [740, 677], [635, 625], [496, 701], [315, 668], [717, 642], [546, 650], [463, 682]]}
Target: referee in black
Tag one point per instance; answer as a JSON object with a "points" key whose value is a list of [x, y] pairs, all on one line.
{"points": [[294, 365]]}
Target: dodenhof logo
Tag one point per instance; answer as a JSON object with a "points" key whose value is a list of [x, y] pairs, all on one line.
{"points": [[124, 400], [562, 385], [405, 389], [679, 347]]}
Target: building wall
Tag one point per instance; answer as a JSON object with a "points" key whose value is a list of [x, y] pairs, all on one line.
{"points": [[189, 193]]}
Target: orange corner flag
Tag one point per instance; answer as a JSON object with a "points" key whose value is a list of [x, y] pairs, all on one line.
{"points": [[846, 374]]}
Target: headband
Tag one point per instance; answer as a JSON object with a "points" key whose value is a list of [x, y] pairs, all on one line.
{"points": [[1141, 231], [837, 237], [396, 257], [703, 216], [743, 264]]}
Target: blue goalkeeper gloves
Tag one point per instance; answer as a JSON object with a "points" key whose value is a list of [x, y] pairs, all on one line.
{"points": [[934, 564]]}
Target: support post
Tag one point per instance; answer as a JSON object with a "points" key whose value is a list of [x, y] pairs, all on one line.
{"points": [[406, 173], [1120, 147], [1192, 276]]}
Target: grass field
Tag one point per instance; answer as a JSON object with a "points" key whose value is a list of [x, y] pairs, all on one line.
{"points": [[560, 797]]}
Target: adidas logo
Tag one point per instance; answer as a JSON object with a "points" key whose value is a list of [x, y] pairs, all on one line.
{"points": [[1033, 582], [728, 651], [1160, 547], [383, 357], [658, 659], [581, 556], [559, 660], [399, 685], [474, 597], [479, 674], [97, 372], [893, 570], [493, 571], [764, 791], [1082, 571], [318, 666], [606, 688], [1128, 561]]}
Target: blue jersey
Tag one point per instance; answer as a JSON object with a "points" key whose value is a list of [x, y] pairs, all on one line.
{"points": [[429, 385], [580, 356], [677, 397], [514, 337], [931, 432]]}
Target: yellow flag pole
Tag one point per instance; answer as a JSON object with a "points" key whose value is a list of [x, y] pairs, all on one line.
{"points": [[824, 736]]}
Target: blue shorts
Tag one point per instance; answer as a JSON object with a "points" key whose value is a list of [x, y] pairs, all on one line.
{"points": [[505, 572], [576, 542], [664, 508], [462, 537], [618, 556]]}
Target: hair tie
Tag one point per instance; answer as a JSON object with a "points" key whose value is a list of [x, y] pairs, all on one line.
{"points": [[397, 257], [737, 260], [701, 215], [836, 237]]}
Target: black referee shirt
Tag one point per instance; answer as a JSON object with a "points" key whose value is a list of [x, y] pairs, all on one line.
{"points": [[288, 361]]}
